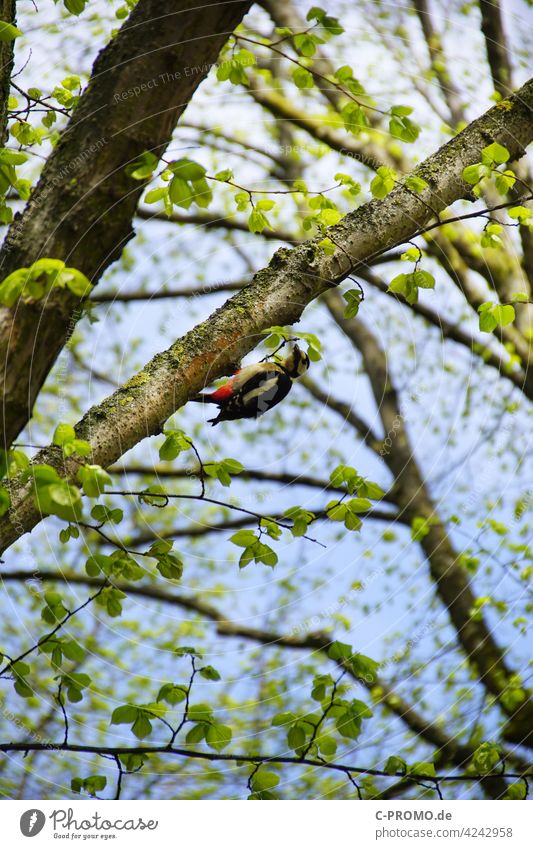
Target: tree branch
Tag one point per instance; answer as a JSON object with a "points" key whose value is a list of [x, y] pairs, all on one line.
{"points": [[451, 331], [217, 222], [413, 499], [448, 748], [84, 191], [450, 93]]}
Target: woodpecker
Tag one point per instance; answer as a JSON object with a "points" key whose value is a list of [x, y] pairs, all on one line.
{"points": [[255, 389]]}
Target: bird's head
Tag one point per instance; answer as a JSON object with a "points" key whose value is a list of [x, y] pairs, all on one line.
{"points": [[296, 363]]}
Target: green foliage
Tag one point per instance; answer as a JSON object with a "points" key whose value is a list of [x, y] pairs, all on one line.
{"points": [[111, 599], [423, 768], [8, 32], [355, 120], [59, 648], [20, 672], [278, 334], [493, 315], [54, 496], [172, 694], [216, 735], [485, 759], [301, 519], [37, 281], [326, 22], [74, 683], [119, 564], [415, 184], [168, 565], [139, 717], [492, 157], [395, 766], [92, 785], [401, 127], [65, 437], [262, 783], [353, 298], [176, 441], [254, 550], [75, 7], [188, 185], [520, 213], [491, 237], [93, 479], [383, 183], [347, 512], [302, 78], [234, 68], [143, 167], [408, 285], [104, 514], [54, 611]]}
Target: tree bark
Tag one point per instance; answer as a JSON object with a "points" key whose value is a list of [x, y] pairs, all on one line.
{"points": [[82, 208]]}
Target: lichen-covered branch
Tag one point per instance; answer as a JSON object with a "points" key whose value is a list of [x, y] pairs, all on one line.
{"points": [[277, 295]]}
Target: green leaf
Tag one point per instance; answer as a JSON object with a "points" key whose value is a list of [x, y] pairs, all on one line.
{"points": [[305, 45], [59, 499], [296, 736], [197, 733], [142, 727], [340, 651], [415, 184], [180, 193], [358, 505], [143, 167], [263, 780], [495, 315], [302, 78], [188, 170], [173, 694], [170, 566], [395, 765], [257, 222], [427, 770], [283, 719], [93, 480], [63, 433], [75, 7], [354, 118], [486, 758], [495, 153], [327, 745], [5, 500], [473, 174], [522, 213], [218, 737], [225, 175], [243, 538], [12, 157], [403, 128], [156, 194], [210, 673], [8, 32], [175, 443]]}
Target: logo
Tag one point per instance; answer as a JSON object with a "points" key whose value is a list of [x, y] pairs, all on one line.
{"points": [[32, 822]]}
